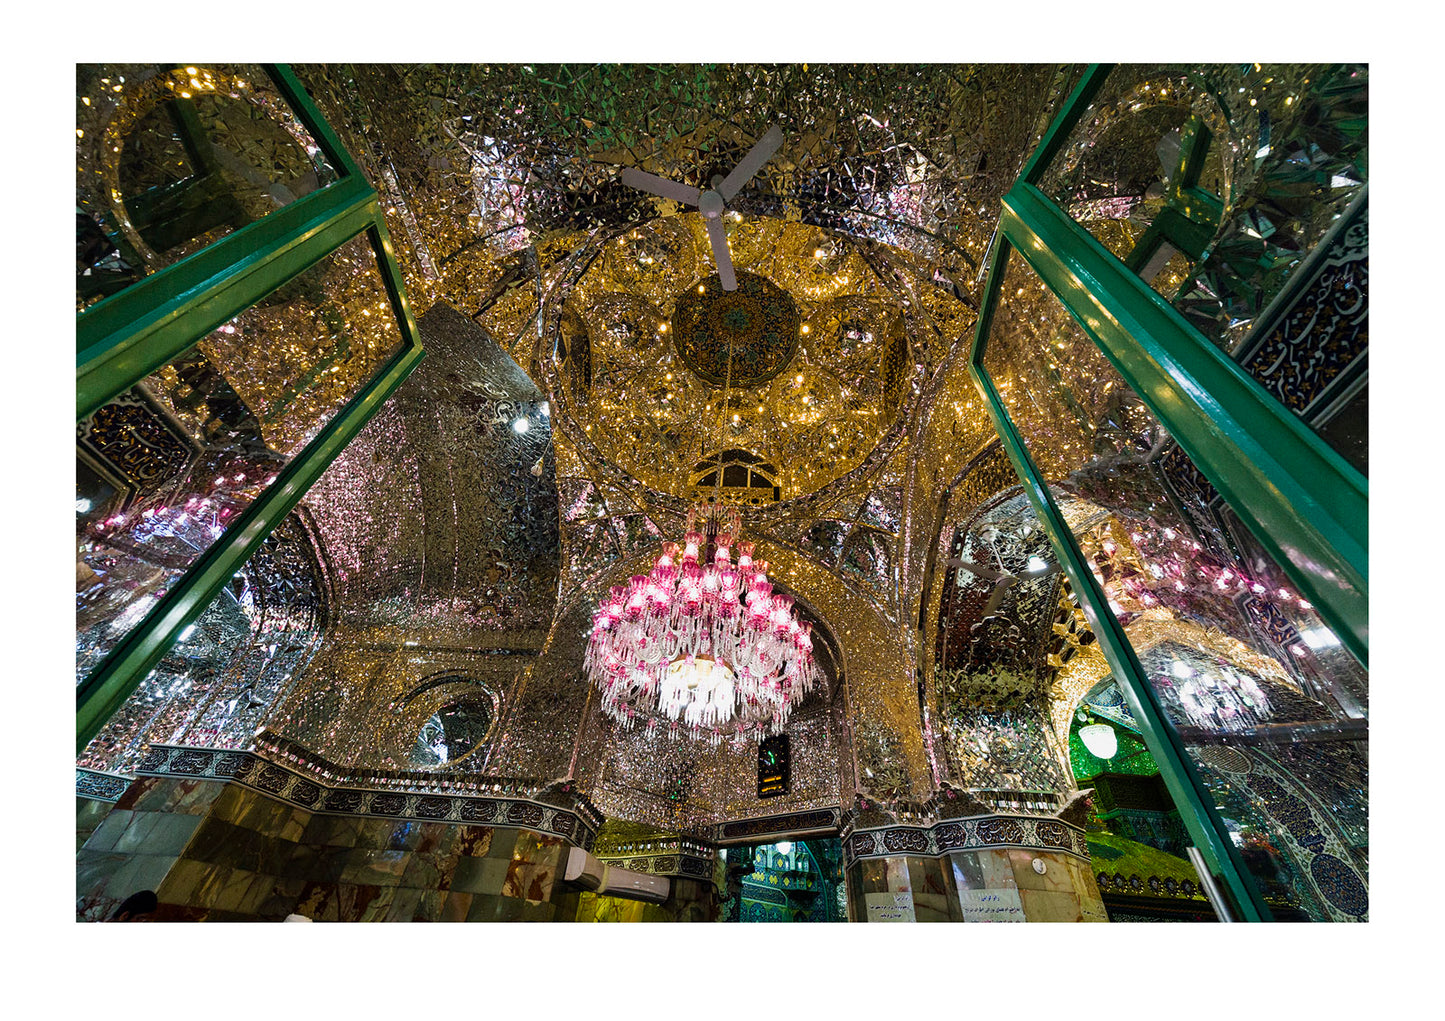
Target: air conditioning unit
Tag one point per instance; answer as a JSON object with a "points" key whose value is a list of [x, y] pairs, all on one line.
{"points": [[586, 871]]}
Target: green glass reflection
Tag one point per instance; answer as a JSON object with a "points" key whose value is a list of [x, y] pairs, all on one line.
{"points": [[1132, 756], [164, 468], [1245, 668], [173, 157], [1283, 150], [1310, 161], [1118, 174]]}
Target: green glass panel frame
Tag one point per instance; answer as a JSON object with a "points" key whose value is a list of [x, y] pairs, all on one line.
{"points": [[1057, 133], [1206, 827], [126, 337], [1307, 505]]}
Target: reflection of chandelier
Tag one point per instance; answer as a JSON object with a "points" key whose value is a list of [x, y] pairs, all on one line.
{"points": [[701, 642], [1218, 700]]}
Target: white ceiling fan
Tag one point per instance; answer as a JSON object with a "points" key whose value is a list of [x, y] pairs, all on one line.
{"points": [[1001, 579], [713, 202]]}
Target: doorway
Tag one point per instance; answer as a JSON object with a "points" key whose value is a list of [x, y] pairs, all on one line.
{"points": [[786, 881]]}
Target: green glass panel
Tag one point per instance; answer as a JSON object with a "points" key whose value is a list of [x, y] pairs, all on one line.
{"points": [[1268, 706], [226, 671], [170, 158], [165, 467], [1287, 151], [1115, 170]]}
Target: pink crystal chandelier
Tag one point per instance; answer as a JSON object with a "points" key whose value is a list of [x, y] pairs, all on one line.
{"points": [[701, 646]]}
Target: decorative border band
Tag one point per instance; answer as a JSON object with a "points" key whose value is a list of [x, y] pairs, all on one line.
{"points": [[765, 893], [673, 863], [757, 831], [973, 833], [808, 883], [1116, 882], [286, 784], [100, 786]]}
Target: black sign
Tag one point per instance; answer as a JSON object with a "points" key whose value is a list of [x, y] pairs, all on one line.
{"points": [[774, 760]]}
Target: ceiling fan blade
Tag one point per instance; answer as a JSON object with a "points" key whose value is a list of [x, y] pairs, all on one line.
{"points": [[718, 235], [995, 598], [751, 163], [986, 573], [675, 190]]}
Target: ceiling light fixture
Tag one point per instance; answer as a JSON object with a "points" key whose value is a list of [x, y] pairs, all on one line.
{"points": [[1100, 739], [700, 643], [1319, 637], [1222, 699]]}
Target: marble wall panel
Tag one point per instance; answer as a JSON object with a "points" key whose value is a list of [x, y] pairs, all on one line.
{"points": [[987, 884], [1051, 906], [935, 899], [89, 813], [989, 869], [137, 842], [1065, 891], [217, 851]]}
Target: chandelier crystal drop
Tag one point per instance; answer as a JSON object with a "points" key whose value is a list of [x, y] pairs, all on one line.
{"points": [[702, 645]]}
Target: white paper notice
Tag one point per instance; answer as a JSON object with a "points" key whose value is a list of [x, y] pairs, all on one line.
{"points": [[890, 907], [991, 905]]}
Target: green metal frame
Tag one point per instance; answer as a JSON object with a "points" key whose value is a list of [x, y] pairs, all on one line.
{"points": [[301, 102], [127, 336], [1190, 215], [124, 338], [1305, 504], [1057, 133], [1196, 806], [1308, 507]]}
